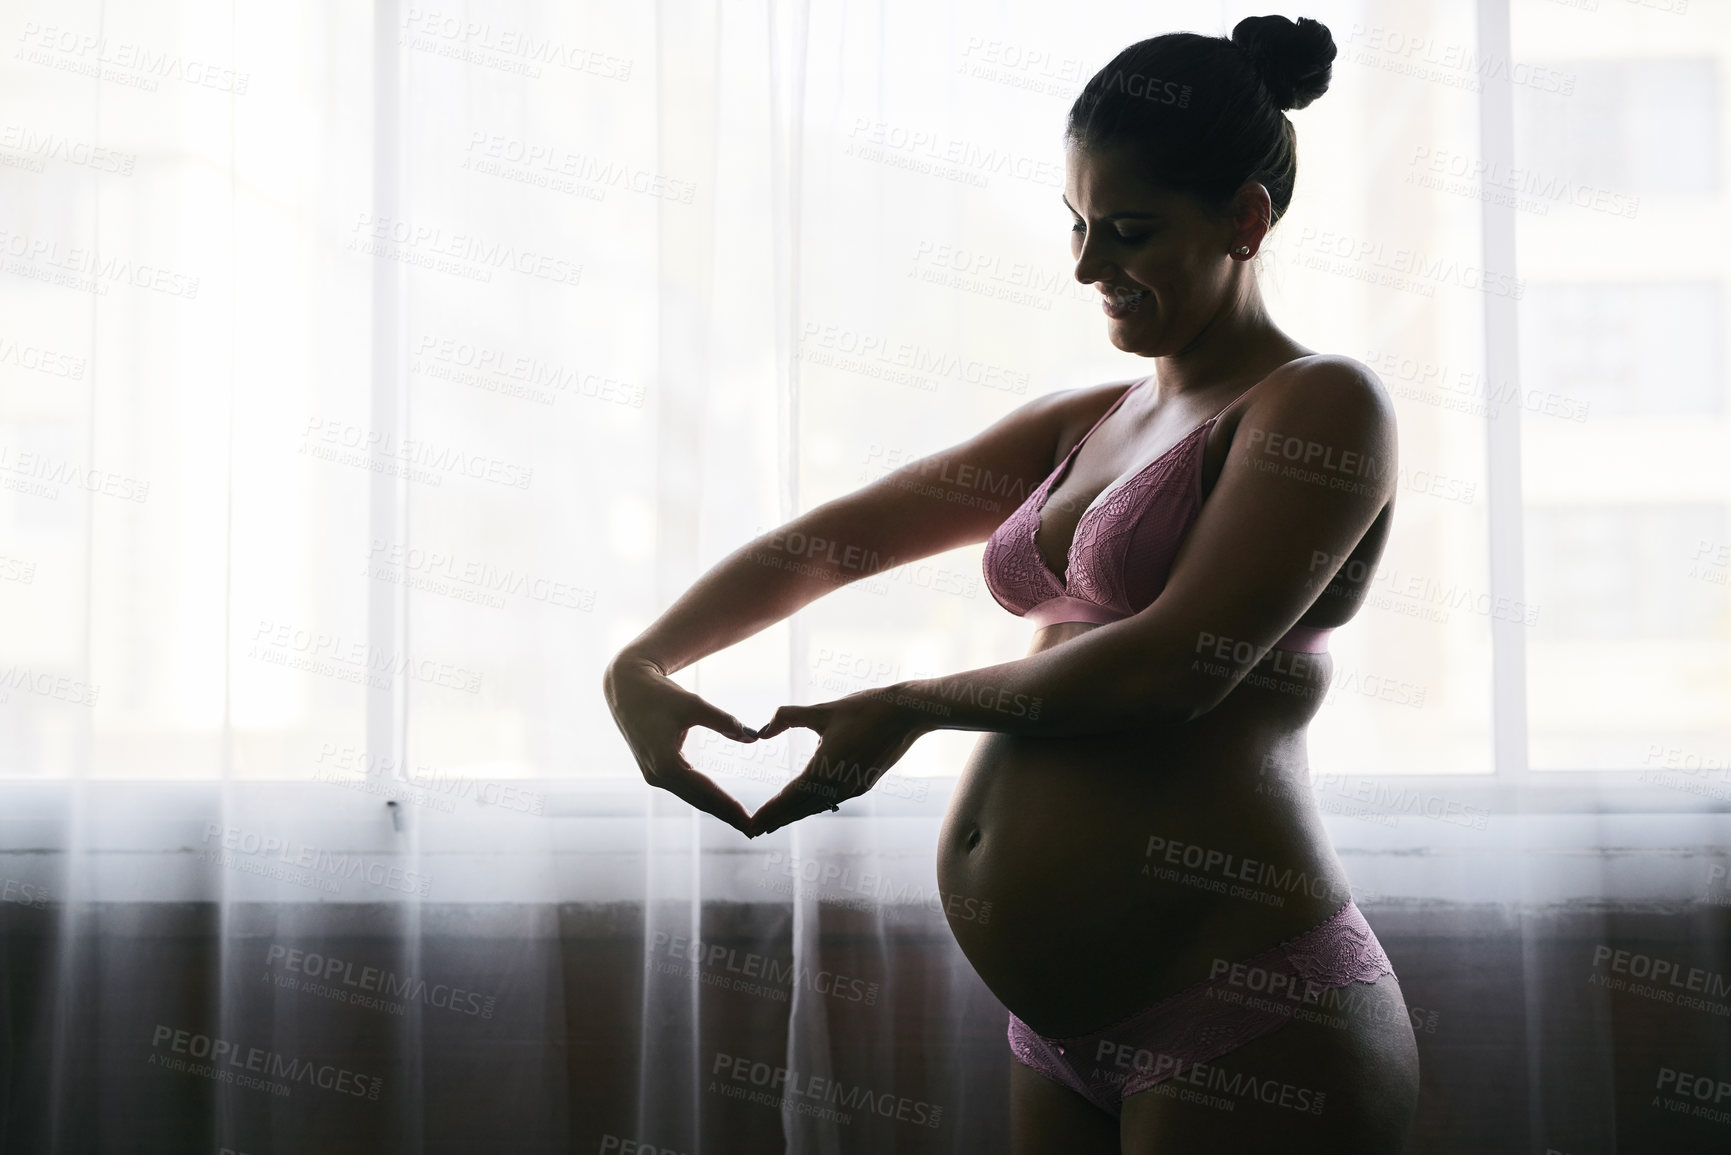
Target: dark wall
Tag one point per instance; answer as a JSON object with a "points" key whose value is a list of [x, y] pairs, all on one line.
{"points": [[1523, 1049]]}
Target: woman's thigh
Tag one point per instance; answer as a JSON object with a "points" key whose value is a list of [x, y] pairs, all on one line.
{"points": [[1349, 1083], [1047, 1119]]}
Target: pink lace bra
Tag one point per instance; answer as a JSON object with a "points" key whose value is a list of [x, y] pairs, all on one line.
{"points": [[1123, 547]]}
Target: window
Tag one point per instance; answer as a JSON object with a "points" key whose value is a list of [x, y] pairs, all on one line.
{"points": [[1651, 348], [1624, 574], [1644, 127]]}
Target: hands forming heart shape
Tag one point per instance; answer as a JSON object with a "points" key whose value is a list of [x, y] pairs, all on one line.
{"points": [[859, 738]]}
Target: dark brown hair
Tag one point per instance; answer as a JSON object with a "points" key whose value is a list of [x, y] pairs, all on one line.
{"points": [[1205, 114]]}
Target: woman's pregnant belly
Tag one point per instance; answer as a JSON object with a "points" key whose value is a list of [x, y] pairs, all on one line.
{"points": [[1120, 867]]}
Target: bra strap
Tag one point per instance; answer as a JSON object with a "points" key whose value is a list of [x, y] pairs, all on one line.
{"points": [[1305, 639], [1111, 409], [1055, 610]]}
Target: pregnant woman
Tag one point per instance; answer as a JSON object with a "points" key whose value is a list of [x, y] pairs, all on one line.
{"points": [[1171, 930]]}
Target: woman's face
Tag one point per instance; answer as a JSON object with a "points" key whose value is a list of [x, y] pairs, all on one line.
{"points": [[1159, 259]]}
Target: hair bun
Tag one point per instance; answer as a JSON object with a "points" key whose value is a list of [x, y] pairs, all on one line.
{"points": [[1295, 61]]}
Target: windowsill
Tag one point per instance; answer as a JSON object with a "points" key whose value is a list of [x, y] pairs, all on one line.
{"points": [[1545, 792], [1556, 839]]}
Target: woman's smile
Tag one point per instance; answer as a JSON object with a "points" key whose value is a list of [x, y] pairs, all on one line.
{"points": [[1120, 303]]}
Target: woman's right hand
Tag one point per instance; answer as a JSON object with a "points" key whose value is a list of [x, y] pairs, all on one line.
{"points": [[655, 713]]}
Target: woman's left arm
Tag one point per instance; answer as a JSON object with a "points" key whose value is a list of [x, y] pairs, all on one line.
{"points": [[1312, 463]]}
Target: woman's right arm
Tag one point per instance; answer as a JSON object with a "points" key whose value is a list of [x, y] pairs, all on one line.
{"points": [[952, 498], [949, 499]]}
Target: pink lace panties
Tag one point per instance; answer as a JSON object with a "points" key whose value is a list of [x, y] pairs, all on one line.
{"points": [[1238, 1003]]}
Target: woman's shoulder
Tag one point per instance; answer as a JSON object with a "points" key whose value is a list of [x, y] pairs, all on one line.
{"points": [[1333, 367], [1076, 410], [1330, 379]]}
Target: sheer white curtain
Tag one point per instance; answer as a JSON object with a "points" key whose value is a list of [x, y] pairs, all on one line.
{"points": [[370, 375]]}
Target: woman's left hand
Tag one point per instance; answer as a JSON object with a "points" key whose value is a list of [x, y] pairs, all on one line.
{"points": [[860, 737]]}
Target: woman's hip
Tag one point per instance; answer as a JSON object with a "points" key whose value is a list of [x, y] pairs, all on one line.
{"points": [[1196, 1050]]}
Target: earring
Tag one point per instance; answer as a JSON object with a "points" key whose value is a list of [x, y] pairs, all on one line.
{"points": [[1242, 250]]}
